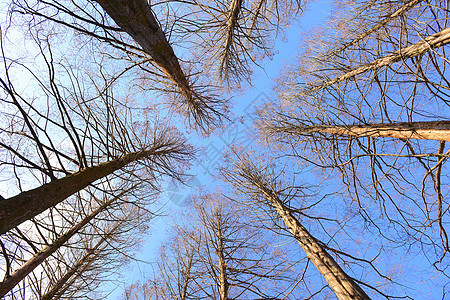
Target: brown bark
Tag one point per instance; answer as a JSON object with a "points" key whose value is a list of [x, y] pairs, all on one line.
{"points": [[136, 18], [235, 8], [433, 41], [343, 286], [26, 205], [187, 277], [435, 130], [10, 282], [56, 291], [223, 282]]}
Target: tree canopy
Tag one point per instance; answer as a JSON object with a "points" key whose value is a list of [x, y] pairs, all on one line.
{"points": [[337, 188]]}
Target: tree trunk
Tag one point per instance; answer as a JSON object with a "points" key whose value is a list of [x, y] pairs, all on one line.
{"points": [[56, 291], [436, 130], [10, 282], [223, 282], [234, 10], [186, 277], [433, 41], [343, 286], [136, 18], [26, 205]]}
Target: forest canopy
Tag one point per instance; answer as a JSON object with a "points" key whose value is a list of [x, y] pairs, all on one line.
{"points": [[336, 188]]}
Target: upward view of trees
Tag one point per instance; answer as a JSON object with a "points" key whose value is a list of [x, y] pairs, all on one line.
{"points": [[72, 157], [377, 103], [221, 257], [342, 195]]}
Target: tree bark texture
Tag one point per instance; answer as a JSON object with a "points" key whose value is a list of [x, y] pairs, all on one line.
{"points": [[223, 282], [343, 286], [435, 130], [26, 205], [136, 18]]}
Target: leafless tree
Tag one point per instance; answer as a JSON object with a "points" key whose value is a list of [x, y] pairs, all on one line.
{"points": [[220, 254], [367, 105], [231, 37], [261, 184], [149, 48], [61, 149], [222, 38], [112, 145], [19, 274]]}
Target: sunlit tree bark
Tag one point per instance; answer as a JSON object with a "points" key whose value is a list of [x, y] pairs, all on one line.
{"points": [[438, 130], [137, 19], [27, 205]]}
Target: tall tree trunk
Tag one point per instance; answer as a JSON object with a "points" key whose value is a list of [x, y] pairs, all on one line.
{"points": [[187, 276], [10, 282], [223, 282], [234, 10], [433, 41], [136, 18], [435, 130], [343, 286], [56, 291], [26, 205]]}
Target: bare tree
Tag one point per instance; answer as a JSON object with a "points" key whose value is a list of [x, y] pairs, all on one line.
{"points": [[29, 124], [78, 268], [64, 145], [220, 254], [438, 39], [347, 106], [154, 55], [250, 179], [235, 35], [145, 291], [137, 19], [13, 279], [223, 38], [100, 254], [27, 205], [177, 274]]}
